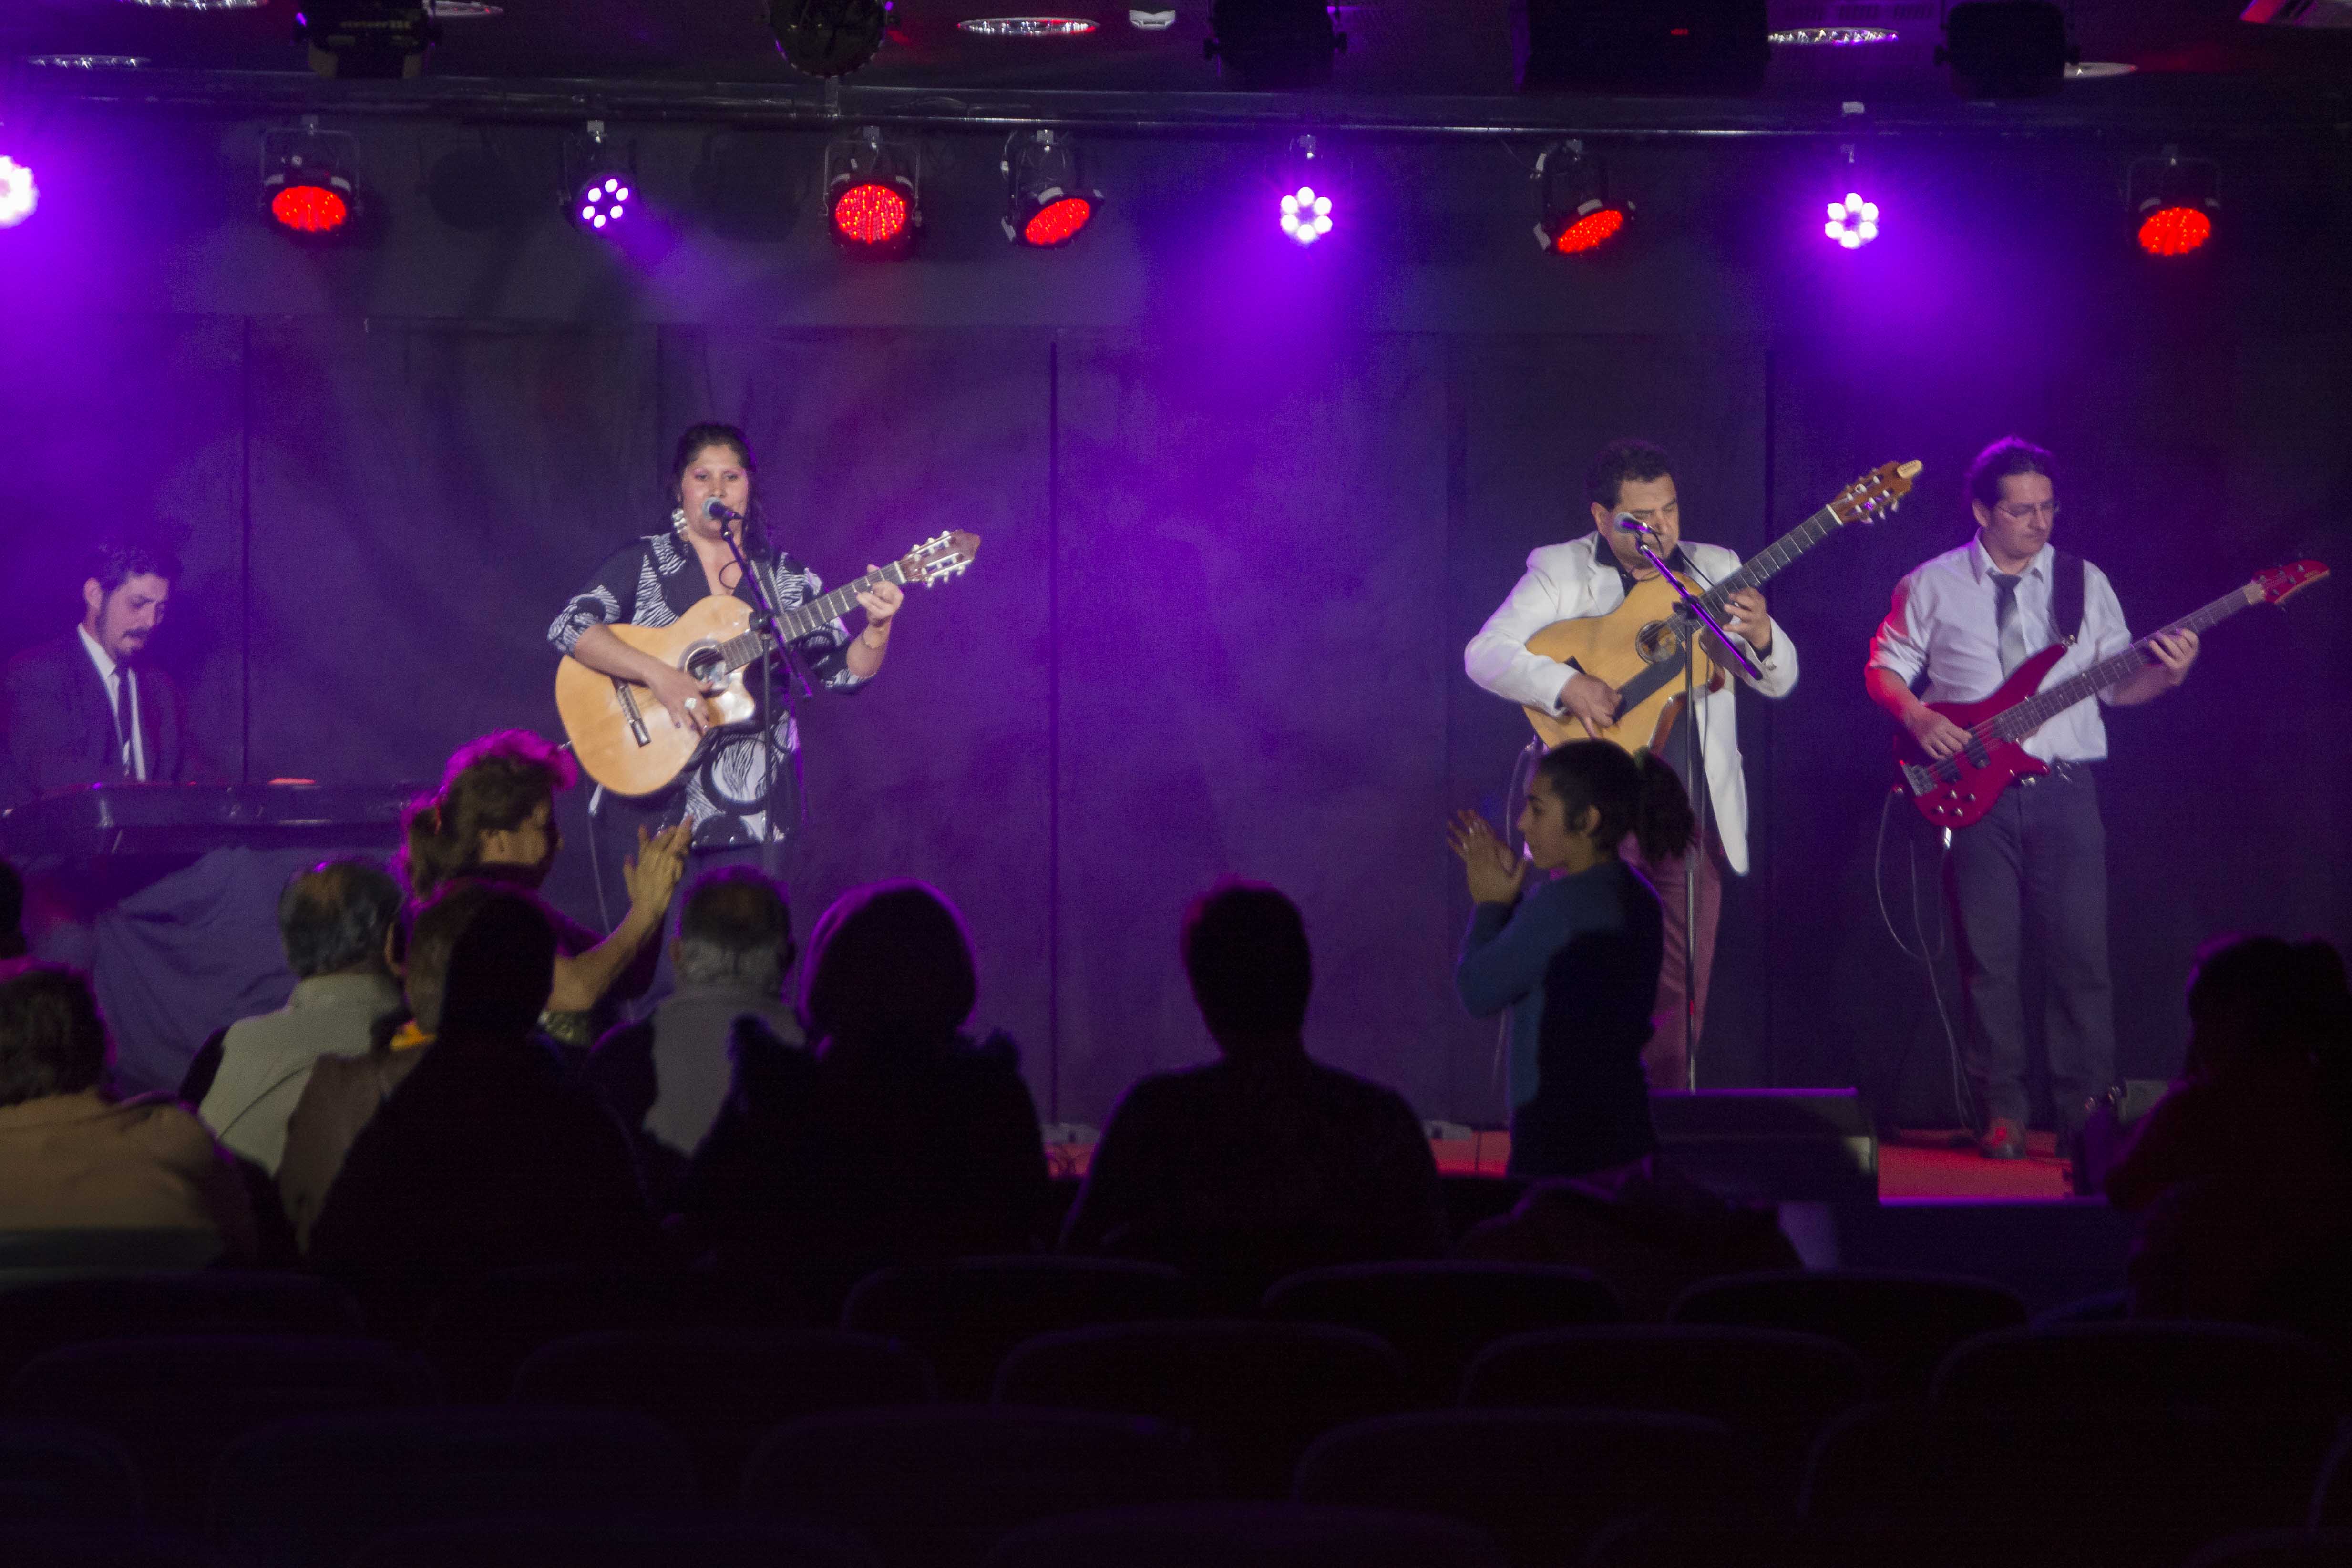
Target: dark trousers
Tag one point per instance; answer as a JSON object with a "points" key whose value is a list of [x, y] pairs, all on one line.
{"points": [[2035, 870]]}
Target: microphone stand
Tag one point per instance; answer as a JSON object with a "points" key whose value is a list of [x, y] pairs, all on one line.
{"points": [[1695, 763], [763, 607]]}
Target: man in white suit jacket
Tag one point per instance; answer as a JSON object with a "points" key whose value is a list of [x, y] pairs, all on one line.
{"points": [[1589, 577]]}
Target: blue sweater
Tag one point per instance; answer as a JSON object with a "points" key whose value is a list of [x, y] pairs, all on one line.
{"points": [[1576, 961]]}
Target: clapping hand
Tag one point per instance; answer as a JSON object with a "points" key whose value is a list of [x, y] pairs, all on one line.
{"points": [[1497, 872]]}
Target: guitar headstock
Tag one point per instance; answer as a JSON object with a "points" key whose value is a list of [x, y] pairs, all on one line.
{"points": [[2279, 583], [1875, 494], [938, 558]]}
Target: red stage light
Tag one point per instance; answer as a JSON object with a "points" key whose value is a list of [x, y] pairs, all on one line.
{"points": [[2174, 230], [870, 214], [310, 209], [1057, 222], [1590, 231]]}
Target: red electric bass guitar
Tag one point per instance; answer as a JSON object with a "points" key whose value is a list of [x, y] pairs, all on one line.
{"points": [[1962, 787]]}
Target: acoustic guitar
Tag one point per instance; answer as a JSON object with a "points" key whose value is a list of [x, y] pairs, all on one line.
{"points": [[626, 740], [1961, 789], [1640, 646]]}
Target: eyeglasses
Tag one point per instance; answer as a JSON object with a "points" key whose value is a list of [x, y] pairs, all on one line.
{"points": [[2026, 514]]}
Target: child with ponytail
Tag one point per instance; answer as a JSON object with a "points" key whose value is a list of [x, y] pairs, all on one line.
{"points": [[1575, 957]]}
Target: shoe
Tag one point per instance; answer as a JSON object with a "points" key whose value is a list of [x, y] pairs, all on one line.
{"points": [[2004, 1140]]}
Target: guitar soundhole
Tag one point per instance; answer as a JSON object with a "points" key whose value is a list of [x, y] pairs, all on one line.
{"points": [[705, 664], [1658, 641]]}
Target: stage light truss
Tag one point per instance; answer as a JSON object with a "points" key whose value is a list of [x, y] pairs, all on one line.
{"points": [[1279, 46], [2006, 48], [310, 178], [374, 39], [873, 195], [2173, 200], [1576, 214], [828, 38], [1045, 203]]}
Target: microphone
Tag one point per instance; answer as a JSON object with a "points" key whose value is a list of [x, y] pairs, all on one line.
{"points": [[719, 513], [1627, 523]]}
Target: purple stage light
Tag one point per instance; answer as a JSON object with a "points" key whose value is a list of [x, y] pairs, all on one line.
{"points": [[1306, 216], [18, 195], [1853, 223], [603, 201]]}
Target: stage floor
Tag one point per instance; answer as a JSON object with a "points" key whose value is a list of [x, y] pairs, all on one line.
{"points": [[1927, 1165], [1935, 1165]]}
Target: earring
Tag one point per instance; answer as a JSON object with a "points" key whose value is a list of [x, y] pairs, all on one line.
{"points": [[678, 519]]}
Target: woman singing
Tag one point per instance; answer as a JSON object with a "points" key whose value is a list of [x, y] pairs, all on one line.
{"points": [[1575, 959], [651, 581]]}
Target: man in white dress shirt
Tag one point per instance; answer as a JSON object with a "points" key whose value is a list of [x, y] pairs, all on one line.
{"points": [[1590, 576], [2038, 861]]}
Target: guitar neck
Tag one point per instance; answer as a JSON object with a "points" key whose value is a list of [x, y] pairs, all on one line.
{"points": [[1772, 559], [2015, 722], [800, 621]]}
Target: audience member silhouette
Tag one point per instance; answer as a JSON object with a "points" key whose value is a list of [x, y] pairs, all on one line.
{"points": [[75, 1158], [1575, 958], [493, 819], [344, 1091], [488, 1154], [1264, 1161], [893, 1138], [13, 948], [2243, 1166], [667, 1075], [2250, 1099], [335, 920]]}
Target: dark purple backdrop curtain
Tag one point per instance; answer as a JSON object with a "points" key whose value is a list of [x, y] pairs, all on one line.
{"points": [[1217, 624]]}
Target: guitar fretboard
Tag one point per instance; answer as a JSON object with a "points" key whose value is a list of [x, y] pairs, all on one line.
{"points": [[1758, 568], [1771, 559], [800, 621], [2015, 722]]}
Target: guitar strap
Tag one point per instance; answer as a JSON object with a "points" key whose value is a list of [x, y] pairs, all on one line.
{"points": [[2066, 596]]}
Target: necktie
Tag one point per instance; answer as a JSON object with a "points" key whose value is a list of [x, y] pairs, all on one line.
{"points": [[2012, 625], [122, 721]]}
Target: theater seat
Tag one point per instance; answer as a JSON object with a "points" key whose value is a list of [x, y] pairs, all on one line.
{"points": [[937, 1486], [1901, 1324], [643, 1541], [309, 1493], [177, 1403], [1248, 1535], [721, 1390], [1440, 1314], [1544, 1482], [55, 1470], [1259, 1393], [2229, 1364], [965, 1316], [39, 1317]]}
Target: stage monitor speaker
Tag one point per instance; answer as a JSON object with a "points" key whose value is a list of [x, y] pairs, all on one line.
{"points": [[1641, 46], [1771, 1145]]}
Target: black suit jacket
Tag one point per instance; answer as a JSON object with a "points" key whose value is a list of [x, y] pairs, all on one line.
{"points": [[57, 726]]}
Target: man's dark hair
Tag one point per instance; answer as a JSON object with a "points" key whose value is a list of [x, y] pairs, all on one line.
{"points": [[52, 1040], [502, 968], [433, 943], [12, 912], [333, 916], [889, 963], [2266, 998], [114, 562], [2010, 455], [1244, 946], [1622, 460], [734, 926]]}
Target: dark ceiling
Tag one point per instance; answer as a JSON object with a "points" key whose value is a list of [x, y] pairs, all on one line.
{"points": [[1399, 51]]}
